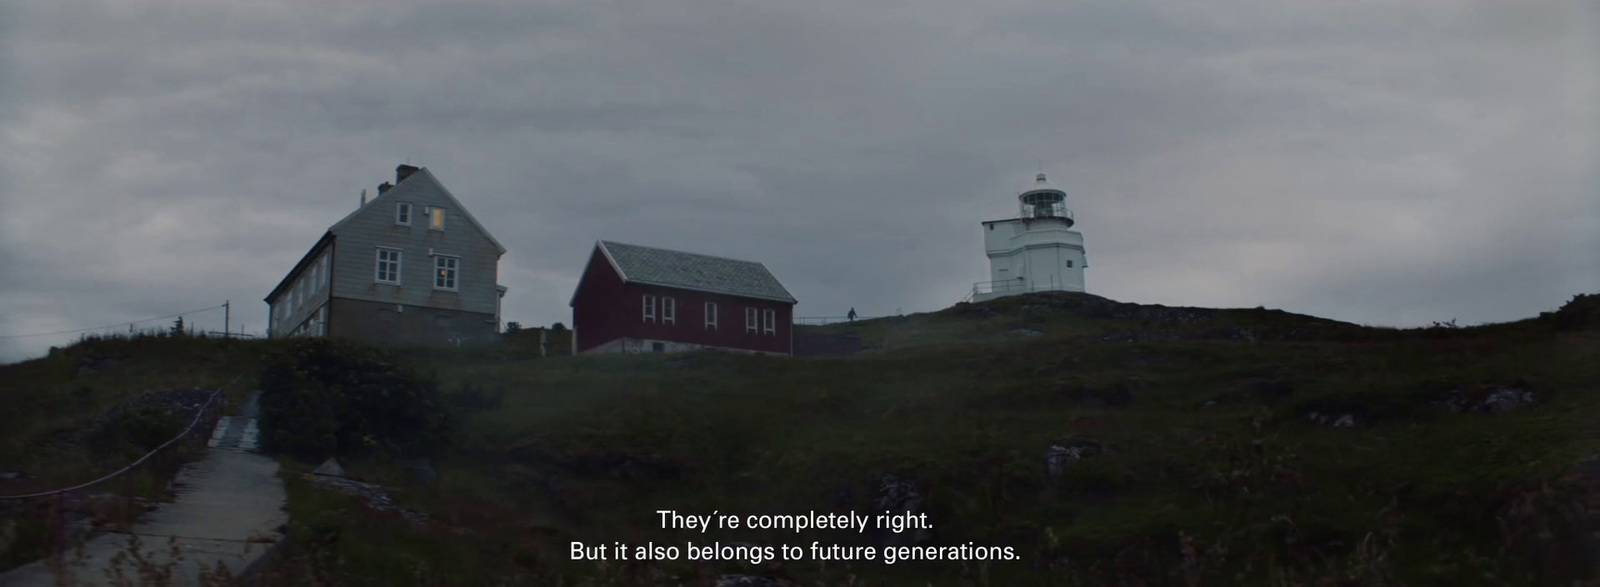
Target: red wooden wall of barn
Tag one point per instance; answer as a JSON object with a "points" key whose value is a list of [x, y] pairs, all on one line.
{"points": [[606, 309]]}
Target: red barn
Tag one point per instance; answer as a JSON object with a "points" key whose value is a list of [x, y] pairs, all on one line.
{"points": [[634, 299]]}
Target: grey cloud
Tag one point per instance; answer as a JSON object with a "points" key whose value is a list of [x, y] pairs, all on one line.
{"points": [[1374, 162]]}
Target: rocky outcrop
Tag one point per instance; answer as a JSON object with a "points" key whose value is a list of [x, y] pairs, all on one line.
{"points": [[1339, 412], [1335, 419], [372, 494], [1485, 399], [749, 581], [899, 495], [330, 467], [1061, 455]]}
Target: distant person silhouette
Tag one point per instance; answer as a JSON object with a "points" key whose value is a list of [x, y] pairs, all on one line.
{"points": [[852, 315]]}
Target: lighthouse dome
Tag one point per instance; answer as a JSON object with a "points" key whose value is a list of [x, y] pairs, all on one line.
{"points": [[1040, 185], [1043, 201]]}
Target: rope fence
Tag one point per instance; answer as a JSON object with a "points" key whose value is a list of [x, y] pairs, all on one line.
{"points": [[114, 474], [58, 522]]}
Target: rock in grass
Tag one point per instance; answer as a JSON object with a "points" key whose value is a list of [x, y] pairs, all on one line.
{"points": [[900, 495], [1062, 454], [1334, 419], [1486, 399], [330, 468], [748, 581]]}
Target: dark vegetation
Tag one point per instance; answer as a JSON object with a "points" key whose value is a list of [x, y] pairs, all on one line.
{"points": [[322, 397], [92, 408], [1109, 444]]}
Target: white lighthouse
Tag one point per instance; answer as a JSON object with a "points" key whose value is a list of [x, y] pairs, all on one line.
{"points": [[1036, 251]]}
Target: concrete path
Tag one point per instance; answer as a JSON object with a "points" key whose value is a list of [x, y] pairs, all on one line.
{"points": [[229, 510]]}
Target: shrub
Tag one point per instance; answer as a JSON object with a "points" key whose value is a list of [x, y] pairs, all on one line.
{"points": [[136, 429], [321, 397], [1581, 313]]}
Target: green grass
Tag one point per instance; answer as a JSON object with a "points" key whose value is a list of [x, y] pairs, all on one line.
{"points": [[48, 400], [1204, 438], [971, 422], [50, 405]]}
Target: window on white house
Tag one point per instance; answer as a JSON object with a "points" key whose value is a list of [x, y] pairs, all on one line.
{"points": [[402, 213], [711, 316], [444, 272], [769, 322], [388, 266], [669, 311], [1069, 263], [649, 308], [750, 320], [435, 218]]}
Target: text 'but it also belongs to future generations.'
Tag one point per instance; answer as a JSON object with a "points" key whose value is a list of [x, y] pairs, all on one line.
{"points": [[816, 550]]}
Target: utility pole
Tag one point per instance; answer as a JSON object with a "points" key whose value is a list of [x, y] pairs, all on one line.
{"points": [[226, 317]]}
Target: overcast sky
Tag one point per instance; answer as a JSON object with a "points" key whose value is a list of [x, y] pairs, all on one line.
{"points": [[1379, 162]]}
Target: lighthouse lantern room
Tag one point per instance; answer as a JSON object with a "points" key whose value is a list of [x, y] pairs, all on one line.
{"points": [[1036, 251]]}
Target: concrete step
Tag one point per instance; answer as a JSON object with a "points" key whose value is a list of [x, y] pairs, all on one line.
{"points": [[235, 433]]}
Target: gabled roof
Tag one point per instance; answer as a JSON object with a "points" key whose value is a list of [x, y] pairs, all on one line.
{"points": [[692, 271], [423, 174], [328, 237]]}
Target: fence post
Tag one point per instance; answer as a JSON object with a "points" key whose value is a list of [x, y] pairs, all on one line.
{"points": [[127, 508], [61, 526]]}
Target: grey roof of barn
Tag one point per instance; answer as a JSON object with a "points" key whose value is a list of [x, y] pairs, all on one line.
{"points": [[693, 271]]}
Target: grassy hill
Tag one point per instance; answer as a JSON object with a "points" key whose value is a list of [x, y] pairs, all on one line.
{"points": [[1105, 443]]}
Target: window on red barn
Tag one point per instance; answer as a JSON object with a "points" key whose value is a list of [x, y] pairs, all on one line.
{"points": [[669, 311], [750, 320], [769, 322], [711, 316], [649, 308]]}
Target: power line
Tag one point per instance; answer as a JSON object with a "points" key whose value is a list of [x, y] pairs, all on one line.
{"points": [[110, 325]]}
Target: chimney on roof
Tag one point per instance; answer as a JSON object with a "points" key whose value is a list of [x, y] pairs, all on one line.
{"points": [[402, 172], [383, 187]]}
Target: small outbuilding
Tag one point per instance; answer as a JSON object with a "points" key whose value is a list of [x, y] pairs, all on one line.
{"points": [[638, 299]]}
